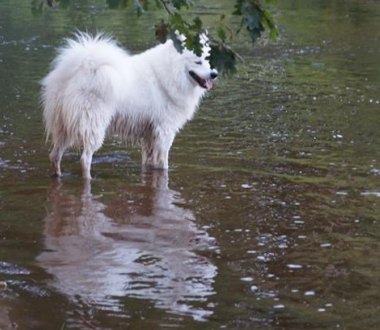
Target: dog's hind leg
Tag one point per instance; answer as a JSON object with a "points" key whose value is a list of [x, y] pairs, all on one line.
{"points": [[92, 141], [55, 157]]}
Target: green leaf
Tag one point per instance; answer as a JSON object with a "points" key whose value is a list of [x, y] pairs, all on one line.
{"points": [[191, 32], [177, 4], [223, 58], [193, 43], [222, 34], [255, 18], [177, 22], [237, 7], [268, 23], [197, 25]]}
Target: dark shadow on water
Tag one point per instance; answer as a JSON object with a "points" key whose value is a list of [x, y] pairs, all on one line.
{"points": [[140, 242]]}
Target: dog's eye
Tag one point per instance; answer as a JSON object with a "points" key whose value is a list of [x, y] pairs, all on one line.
{"points": [[198, 62]]}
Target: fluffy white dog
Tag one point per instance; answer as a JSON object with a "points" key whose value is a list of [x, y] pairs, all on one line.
{"points": [[95, 86]]}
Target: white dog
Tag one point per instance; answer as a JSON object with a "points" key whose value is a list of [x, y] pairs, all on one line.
{"points": [[95, 87]]}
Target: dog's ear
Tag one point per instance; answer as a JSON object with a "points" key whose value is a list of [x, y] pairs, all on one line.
{"points": [[169, 42], [171, 47]]}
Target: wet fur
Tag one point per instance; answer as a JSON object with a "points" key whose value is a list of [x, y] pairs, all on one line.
{"points": [[96, 87]]}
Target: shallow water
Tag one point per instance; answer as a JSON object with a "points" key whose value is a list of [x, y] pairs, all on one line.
{"points": [[268, 217]]}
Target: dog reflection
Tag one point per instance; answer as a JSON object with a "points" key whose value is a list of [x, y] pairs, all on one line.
{"points": [[140, 244]]}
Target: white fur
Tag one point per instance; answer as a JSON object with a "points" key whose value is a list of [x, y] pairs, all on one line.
{"points": [[95, 86]]}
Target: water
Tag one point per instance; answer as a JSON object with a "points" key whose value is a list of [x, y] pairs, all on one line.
{"points": [[268, 217]]}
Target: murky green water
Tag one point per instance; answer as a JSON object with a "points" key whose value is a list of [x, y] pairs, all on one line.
{"points": [[268, 218]]}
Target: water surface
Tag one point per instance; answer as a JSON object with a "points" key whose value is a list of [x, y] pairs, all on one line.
{"points": [[268, 217]]}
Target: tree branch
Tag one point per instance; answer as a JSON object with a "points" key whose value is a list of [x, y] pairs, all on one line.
{"points": [[165, 4]]}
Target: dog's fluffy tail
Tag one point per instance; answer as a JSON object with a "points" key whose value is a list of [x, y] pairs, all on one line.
{"points": [[78, 88]]}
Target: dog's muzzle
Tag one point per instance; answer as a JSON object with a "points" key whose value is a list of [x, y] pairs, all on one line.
{"points": [[204, 83]]}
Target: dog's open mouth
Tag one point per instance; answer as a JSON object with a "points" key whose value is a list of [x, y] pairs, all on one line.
{"points": [[204, 83]]}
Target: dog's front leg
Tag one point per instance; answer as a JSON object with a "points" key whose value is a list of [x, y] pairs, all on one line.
{"points": [[86, 160], [155, 150]]}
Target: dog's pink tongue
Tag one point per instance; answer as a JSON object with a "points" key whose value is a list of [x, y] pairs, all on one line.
{"points": [[208, 84]]}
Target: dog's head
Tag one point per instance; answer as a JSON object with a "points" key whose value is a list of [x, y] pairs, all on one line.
{"points": [[198, 68]]}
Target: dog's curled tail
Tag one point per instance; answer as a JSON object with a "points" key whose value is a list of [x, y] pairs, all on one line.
{"points": [[75, 92]]}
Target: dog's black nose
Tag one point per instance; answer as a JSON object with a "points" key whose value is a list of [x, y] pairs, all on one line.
{"points": [[213, 74]]}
